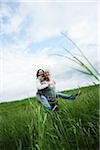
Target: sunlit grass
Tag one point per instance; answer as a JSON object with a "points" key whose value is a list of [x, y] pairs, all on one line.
{"points": [[24, 125]]}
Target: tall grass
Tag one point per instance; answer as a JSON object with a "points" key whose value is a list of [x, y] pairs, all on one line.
{"points": [[24, 125], [85, 68]]}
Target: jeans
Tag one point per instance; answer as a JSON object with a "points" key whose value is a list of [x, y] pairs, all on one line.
{"points": [[66, 96], [45, 102]]}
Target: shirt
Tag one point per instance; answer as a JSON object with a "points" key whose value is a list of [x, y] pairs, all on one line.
{"points": [[41, 84], [47, 90]]}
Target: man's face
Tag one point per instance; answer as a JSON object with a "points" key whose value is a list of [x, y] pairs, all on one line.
{"points": [[47, 74]]}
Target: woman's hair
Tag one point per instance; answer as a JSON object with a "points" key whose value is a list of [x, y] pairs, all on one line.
{"points": [[37, 74]]}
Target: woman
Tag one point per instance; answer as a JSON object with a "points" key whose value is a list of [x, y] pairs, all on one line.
{"points": [[46, 93], [42, 84]]}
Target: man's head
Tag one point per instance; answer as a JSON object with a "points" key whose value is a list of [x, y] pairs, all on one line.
{"points": [[46, 73]]}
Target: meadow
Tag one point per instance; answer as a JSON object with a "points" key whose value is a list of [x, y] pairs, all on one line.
{"points": [[25, 125]]}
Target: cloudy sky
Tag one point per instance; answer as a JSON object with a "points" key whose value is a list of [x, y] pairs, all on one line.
{"points": [[30, 32]]}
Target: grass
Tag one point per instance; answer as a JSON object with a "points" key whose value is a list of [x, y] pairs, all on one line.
{"points": [[84, 66], [24, 125]]}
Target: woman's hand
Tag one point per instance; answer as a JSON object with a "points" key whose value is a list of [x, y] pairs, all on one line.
{"points": [[50, 82]]}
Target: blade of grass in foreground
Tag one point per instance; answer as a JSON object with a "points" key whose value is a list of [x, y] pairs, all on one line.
{"points": [[87, 70], [80, 51], [82, 64]]}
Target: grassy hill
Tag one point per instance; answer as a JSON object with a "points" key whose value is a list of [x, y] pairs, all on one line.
{"points": [[24, 125]]}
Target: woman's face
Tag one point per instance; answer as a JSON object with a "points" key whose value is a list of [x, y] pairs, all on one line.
{"points": [[40, 73]]}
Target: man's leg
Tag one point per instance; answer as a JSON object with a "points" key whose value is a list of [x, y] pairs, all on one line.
{"points": [[66, 96], [44, 101]]}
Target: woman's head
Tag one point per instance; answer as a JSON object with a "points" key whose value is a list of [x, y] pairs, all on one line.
{"points": [[40, 72]]}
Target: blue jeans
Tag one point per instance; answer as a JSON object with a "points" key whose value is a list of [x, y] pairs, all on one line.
{"points": [[47, 106], [66, 96], [44, 101]]}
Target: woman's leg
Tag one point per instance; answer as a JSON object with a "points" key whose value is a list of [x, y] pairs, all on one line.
{"points": [[44, 101], [66, 96]]}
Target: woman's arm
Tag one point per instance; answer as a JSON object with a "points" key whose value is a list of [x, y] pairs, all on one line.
{"points": [[41, 86]]}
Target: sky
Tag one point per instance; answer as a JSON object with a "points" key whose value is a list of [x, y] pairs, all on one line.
{"points": [[30, 35]]}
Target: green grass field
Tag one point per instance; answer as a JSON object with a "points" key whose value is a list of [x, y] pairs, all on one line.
{"points": [[24, 125]]}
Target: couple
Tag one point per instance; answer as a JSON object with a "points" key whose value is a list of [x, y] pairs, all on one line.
{"points": [[46, 93]]}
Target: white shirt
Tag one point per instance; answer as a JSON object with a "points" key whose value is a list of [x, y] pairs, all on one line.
{"points": [[41, 85]]}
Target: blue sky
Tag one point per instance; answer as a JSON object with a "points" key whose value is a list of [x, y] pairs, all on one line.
{"points": [[31, 31]]}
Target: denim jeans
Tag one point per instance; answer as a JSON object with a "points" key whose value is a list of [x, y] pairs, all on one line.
{"points": [[66, 96], [45, 102]]}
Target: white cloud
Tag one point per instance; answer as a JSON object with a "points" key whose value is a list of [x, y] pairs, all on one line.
{"points": [[83, 33], [51, 18], [13, 19], [79, 30]]}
